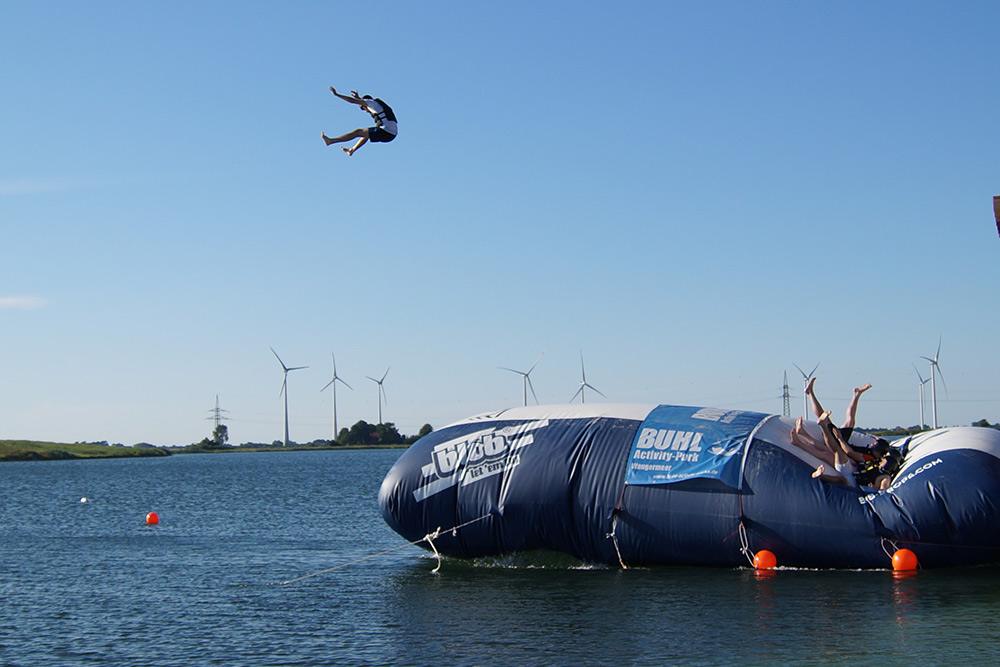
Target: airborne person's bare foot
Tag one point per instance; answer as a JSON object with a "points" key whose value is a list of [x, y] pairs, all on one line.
{"points": [[819, 471]]}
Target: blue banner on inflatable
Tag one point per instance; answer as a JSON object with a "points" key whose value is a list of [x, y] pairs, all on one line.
{"points": [[675, 443]]}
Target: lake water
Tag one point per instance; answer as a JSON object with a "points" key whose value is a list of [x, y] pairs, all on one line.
{"points": [[92, 584]]}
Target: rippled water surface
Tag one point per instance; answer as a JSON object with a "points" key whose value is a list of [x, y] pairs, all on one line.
{"points": [[91, 583]]}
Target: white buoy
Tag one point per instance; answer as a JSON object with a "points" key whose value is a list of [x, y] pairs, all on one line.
{"points": [[84, 499]]}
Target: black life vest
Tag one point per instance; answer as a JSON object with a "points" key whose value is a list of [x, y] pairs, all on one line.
{"points": [[384, 115], [868, 472]]}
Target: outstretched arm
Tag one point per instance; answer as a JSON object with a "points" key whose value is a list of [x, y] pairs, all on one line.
{"points": [[353, 99]]}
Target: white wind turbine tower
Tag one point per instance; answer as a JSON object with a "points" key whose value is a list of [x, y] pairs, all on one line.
{"points": [[526, 380], [805, 383], [284, 387], [333, 383], [380, 391], [935, 368], [922, 383], [583, 383]]}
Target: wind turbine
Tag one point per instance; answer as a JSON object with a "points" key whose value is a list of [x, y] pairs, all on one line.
{"points": [[583, 383], [805, 383], [526, 379], [333, 382], [922, 383], [284, 387], [935, 368], [380, 391]]}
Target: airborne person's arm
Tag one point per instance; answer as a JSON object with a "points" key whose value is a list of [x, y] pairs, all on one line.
{"points": [[355, 99]]}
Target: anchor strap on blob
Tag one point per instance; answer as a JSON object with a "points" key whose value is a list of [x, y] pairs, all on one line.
{"points": [[745, 543], [744, 540], [614, 525], [614, 540]]}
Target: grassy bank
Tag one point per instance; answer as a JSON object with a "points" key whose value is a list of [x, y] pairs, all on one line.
{"points": [[29, 450]]}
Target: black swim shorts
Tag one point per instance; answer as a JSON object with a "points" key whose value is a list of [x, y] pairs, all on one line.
{"points": [[378, 135]]}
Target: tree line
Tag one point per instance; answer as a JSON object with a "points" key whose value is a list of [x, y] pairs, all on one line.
{"points": [[361, 434]]}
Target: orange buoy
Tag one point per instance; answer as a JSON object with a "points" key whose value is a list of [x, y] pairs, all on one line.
{"points": [[152, 519], [904, 559], [764, 560]]}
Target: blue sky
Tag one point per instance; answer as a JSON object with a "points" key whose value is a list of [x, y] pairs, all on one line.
{"points": [[696, 196]]}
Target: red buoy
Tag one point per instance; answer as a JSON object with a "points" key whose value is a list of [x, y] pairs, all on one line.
{"points": [[152, 519], [764, 560], [904, 559]]}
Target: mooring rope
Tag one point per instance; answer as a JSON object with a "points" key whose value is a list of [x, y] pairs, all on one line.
{"points": [[614, 540], [887, 552], [745, 543], [429, 538]]}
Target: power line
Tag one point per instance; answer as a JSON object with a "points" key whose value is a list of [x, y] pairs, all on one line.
{"points": [[786, 397], [217, 416]]}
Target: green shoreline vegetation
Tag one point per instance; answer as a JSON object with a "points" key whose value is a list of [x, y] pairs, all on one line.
{"points": [[360, 436], [32, 450]]}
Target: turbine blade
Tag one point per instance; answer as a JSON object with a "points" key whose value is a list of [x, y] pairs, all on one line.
{"points": [[344, 383], [592, 387], [576, 394], [532, 388], [940, 375], [297, 368], [383, 375], [805, 376], [327, 385], [511, 370], [536, 362], [279, 359]]}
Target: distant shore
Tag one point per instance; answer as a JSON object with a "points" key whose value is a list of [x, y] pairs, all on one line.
{"points": [[30, 450]]}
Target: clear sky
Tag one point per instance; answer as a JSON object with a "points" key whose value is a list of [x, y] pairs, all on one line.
{"points": [[696, 196]]}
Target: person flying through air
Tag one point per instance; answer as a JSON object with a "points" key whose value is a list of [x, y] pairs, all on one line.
{"points": [[384, 131]]}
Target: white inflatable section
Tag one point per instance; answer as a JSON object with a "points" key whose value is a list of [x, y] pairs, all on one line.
{"points": [[569, 411], [930, 443]]}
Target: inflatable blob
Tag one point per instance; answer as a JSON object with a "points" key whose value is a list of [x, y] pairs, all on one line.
{"points": [[651, 485]]}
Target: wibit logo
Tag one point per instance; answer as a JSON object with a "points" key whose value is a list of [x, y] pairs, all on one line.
{"points": [[475, 456]]}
